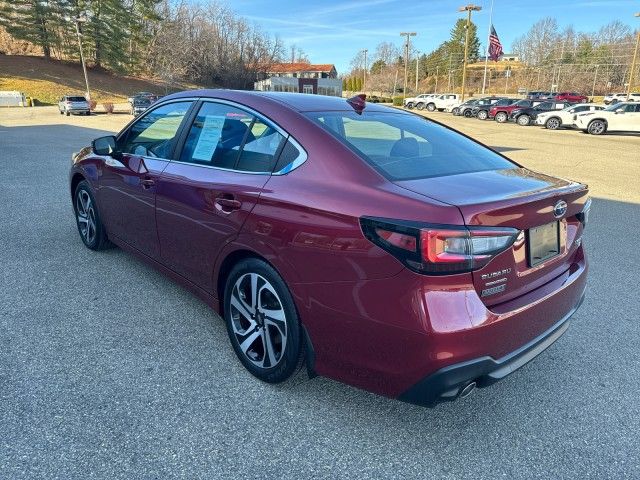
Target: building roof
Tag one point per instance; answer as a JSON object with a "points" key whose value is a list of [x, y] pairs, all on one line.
{"points": [[300, 67]]}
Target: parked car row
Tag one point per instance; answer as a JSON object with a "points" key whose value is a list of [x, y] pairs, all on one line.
{"points": [[551, 113], [610, 98]]}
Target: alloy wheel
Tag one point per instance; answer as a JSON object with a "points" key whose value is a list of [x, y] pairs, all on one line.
{"points": [[431, 107], [482, 115], [553, 123], [258, 320], [501, 117], [523, 120], [597, 127], [86, 216]]}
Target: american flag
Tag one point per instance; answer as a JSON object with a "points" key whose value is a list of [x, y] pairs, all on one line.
{"points": [[495, 47]]}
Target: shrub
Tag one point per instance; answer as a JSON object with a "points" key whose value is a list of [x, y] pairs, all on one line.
{"points": [[397, 101], [92, 105], [108, 107]]}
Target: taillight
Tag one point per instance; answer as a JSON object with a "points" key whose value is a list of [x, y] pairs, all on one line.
{"points": [[438, 249], [583, 216]]}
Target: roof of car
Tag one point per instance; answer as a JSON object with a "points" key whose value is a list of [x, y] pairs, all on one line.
{"points": [[301, 102]]}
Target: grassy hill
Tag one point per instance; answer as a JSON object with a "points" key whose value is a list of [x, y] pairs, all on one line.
{"points": [[47, 80]]}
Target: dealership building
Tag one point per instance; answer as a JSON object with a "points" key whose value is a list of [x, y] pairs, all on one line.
{"points": [[300, 78]]}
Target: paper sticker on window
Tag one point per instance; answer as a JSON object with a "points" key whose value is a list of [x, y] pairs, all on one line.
{"points": [[209, 138]]}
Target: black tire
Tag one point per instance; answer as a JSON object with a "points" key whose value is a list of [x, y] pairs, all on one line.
{"points": [[431, 107], [67, 113], [61, 112], [99, 240], [502, 117], [553, 123], [455, 111], [242, 327], [483, 115], [409, 105], [523, 120], [468, 113], [420, 106], [597, 127]]}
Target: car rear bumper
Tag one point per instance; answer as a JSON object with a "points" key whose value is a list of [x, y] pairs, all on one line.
{"points": [[449, 382]]}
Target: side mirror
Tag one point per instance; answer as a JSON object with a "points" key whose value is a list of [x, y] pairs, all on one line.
{"points": [[104, 145]]}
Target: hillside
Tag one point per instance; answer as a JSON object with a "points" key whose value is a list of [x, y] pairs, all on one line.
{"points": [[47, 80]]}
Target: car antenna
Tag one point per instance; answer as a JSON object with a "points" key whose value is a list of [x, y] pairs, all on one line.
{"points": [[358, 102]]}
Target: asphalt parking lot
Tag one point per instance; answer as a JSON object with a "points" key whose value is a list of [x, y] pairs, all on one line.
{"points": [[110, 370]]}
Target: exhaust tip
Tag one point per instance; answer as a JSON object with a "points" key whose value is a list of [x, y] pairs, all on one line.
{"points": [[467, 390]]}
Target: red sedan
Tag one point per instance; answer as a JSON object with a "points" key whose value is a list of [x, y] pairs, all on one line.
{"points": [[381, 248]]}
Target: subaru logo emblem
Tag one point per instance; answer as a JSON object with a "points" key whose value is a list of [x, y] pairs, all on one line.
{"points": [[560, 209]]}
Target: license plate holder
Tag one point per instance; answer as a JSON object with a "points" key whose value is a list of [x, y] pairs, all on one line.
{"points": [[543, 243]]}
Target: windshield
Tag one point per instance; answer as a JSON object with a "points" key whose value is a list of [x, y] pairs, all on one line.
{"points": [[404, 147]]}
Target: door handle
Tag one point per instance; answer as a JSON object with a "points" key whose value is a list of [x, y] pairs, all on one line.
{"points": [[227, 205], [147, 182]]}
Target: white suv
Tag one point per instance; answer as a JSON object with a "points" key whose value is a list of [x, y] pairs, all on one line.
{"points": [[420, 101], [566, 116], [620, 117], [446, 101]]}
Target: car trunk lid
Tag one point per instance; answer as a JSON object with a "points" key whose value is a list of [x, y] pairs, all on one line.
{"points": [[521, 199]]}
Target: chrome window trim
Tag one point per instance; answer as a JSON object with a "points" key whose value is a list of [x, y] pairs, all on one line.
{"points": [[299, 160]]}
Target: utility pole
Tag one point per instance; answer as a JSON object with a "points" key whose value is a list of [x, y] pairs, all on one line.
{"points": [[78, 20], [364, 81], [467, 8], [449, 81], [406, 58], [633, 62], [417, 63], [593, 90], [486, 50], [437, 70]]}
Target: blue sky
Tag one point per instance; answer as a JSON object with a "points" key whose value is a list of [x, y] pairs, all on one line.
{"points": [[332, 31]]}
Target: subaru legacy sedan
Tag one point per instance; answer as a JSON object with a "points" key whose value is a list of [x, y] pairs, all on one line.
{"points": [[380, 248]]}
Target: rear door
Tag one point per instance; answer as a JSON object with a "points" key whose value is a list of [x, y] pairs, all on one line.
{"points": [[207, 194]]}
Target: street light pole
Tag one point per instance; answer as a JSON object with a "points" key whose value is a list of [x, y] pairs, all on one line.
{"points": [[78, 20], [364, 82], [633, 62], [406, 58], [467, 8]]}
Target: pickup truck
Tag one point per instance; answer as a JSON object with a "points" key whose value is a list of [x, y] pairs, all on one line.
{"points": [[443, 102]]}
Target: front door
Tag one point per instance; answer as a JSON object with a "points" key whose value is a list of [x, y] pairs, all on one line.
{"points": [[206, 195], [129, 182]]}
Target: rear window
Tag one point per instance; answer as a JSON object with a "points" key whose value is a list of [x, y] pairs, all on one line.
{"points": [[76, 99], [405, 147]]}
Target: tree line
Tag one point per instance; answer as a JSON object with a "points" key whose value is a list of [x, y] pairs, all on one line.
{"points": [[203, 43]]}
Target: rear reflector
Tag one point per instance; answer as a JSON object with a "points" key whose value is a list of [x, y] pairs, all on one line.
{"points": [[438, 249]]}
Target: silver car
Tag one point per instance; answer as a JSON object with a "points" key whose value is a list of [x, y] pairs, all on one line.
{"points": [[73, 104]]}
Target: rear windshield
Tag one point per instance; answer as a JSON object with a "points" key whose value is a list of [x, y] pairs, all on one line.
{"points": [[76, 99], [405, 147]]}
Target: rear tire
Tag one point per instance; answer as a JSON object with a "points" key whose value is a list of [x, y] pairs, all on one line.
{"points": [[420, 106], [524, 120], [553, 123], [67, 113], [90, 227], [431, 107], [597, 127], [409, 105], [467, 113], [501, 117], [482, 115], [262, 321], [455, 111]]}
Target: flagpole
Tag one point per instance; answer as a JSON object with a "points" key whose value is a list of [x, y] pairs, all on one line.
{"points": [[486, 49]]}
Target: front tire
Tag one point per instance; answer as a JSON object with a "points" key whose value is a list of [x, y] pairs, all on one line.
{"points": [[90, 227], [420, 106], [553, 123], [67, 113], [482, 115], [409, 105], [501, 117], [524, 120], [597, 127], [456, 111], [431, 107], [468, 113], [262, 321]]}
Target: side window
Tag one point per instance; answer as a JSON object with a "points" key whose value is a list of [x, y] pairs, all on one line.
{"points": [[226, 137], [154, 134], [579, 109]]}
